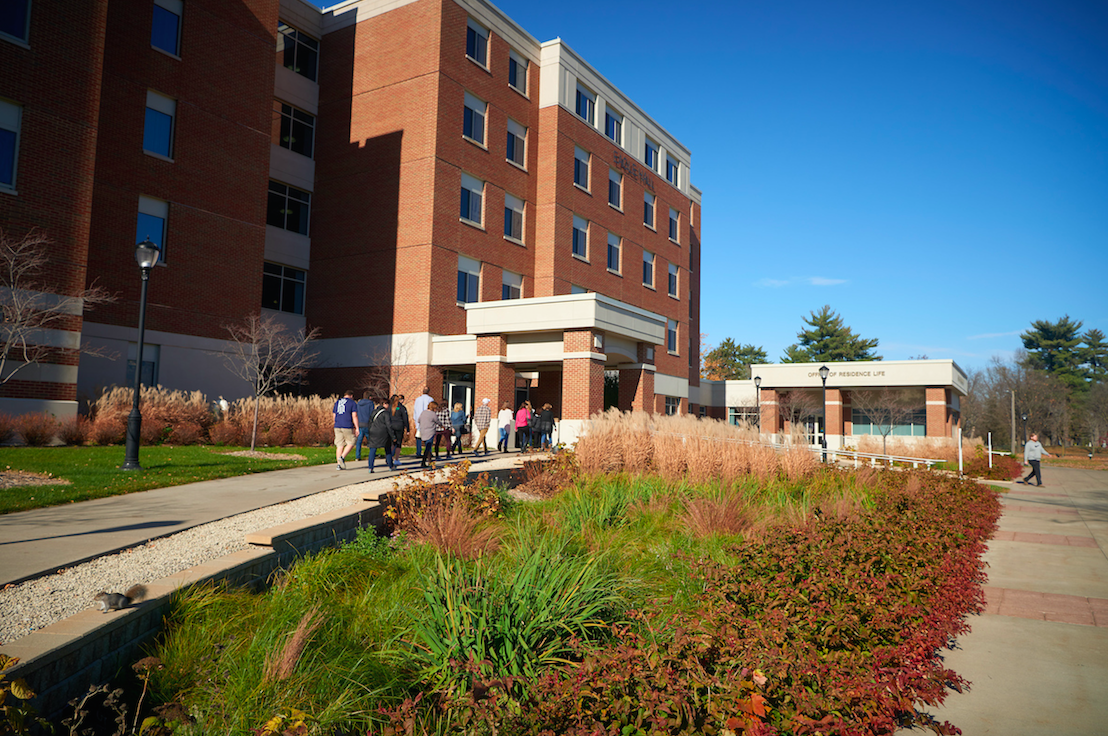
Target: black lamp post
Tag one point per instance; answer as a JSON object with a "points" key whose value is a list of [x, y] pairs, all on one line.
{"points": [[1024, 416], [824, 371], [758, 400], [147, 255]]}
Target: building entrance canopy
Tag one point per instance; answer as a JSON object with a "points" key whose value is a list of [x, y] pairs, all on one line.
{"points": [[566, 312]]}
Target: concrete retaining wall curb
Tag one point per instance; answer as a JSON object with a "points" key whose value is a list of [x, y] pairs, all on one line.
{"points": [[60, 662]]}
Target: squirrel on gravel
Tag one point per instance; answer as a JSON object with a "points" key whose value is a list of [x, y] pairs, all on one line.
{"points": [[119, 601]]}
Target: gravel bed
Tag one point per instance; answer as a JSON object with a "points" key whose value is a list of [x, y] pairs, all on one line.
{"points": [[37, 603]]}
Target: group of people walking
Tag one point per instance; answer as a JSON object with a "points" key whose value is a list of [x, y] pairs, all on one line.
{"points": [[385, 424]]}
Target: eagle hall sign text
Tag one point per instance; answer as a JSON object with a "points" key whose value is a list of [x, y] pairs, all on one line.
{"points": [[631, 168]]}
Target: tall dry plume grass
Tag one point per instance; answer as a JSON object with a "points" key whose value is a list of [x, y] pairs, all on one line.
{"points": [[685, 447], [934, 448], [280, 665]]}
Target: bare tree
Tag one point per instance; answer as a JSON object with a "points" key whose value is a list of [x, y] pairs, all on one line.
{"points": [[392, 370], [886, 408], [267, 355], [31, 307], [796, 407]]}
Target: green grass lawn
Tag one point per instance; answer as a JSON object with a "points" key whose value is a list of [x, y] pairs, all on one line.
{"points": [[93, 472]]}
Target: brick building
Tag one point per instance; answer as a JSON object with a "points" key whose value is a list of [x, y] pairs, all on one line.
{"points": [[443, 195]]}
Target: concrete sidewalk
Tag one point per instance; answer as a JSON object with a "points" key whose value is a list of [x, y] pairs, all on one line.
{"points": [[42, 541], [1037, 659]]}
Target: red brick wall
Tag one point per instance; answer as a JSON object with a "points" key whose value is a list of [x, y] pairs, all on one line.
{"points": [[559, 199], [57, 81], [217, 182]]}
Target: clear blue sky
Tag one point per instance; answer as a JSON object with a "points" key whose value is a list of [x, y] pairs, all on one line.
{"points": [[936, 171]]}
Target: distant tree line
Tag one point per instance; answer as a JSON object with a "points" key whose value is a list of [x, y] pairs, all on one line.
{"points": [[1058, 383], [826, 339]]}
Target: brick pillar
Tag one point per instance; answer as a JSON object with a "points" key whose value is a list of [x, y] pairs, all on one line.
{"points": [[936, 412], [771, 413], [582, 376], [848, 414], [833, 421], [495, 378], [636, 383]]}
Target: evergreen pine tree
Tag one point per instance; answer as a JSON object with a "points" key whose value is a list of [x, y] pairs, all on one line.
{"points": [[827, 340]]}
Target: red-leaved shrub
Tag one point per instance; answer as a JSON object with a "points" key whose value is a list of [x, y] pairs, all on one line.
{"points": [[225, 433], [186, 433], [74, 431], [108, 430], [38, 429], [1004, 467], [7, 428]]}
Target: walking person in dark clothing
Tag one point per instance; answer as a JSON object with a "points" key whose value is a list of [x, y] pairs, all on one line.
{"points": [[381, 434], [457, 426], [405, 422], [365, 413], [1033, 452], [546, 427], [442, 434]]}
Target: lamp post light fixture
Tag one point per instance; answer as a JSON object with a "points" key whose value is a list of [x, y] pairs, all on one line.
{"points": [[147, 254], [1024, 417], [758, 401], [824, 372]]}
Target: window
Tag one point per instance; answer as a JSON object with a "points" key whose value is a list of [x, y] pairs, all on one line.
{"points": [[10, 118], [299, 51], [477, 43], [739, 415], [650, 156], [513, 218], [673, 279], [512, 286], [165, 27], [296, 130], [674, 219], [473, 119], [673, 403], [472, 192], [673, 171], [613, 126], [671, 336], [648, 201], [288, 208], [14, 19], [157, 134], [283, 288], [150, 354], [152, 217], [615, 185], [586, 105], [613, 252], [648, 269], [469, 280], [517, 143], [581, 168], [517, 72], [580, 237], [575, 289]]}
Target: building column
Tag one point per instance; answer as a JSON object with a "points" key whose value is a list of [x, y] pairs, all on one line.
{"points": [[771, 412], [495, 378], [936, 412], [636, 382], [833, 419], [582, 375]]}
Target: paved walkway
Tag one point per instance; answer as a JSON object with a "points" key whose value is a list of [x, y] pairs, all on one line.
{"points": [[1037, 659], [41, 541]]}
